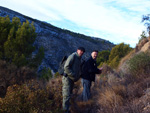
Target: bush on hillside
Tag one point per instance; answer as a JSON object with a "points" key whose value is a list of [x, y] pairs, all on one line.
{"points": [[139, 65], [118, 52], [33, 97], [110, 100], [37, 59], [123, 66], [11, 74], [46, 74], [102, 57], [56, 75], [142, 36]]}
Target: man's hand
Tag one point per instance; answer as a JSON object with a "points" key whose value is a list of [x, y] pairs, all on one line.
{"points": [[100, 70]]}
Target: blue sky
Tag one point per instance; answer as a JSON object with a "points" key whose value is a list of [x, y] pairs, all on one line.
{"points": [[114, 20]]}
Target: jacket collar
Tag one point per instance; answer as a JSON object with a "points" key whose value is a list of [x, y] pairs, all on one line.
{"points": [[92, 59], [77, 55]]}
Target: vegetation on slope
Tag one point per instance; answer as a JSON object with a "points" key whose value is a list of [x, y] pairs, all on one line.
{"points": [[16, 42], [115, 91]]}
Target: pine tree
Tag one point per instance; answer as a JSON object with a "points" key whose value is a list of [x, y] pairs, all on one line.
{"points": [[19, 45], [5, 26], [103, 57], [17, 40], [118, 52]]}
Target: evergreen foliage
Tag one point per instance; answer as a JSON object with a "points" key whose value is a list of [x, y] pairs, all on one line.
{"points": [[146, 20], [103, 57], [37, 59], [5, 26], [57, 75], [16, 42], [46, 73], [139, 65], [142, 36], [118, 52]]}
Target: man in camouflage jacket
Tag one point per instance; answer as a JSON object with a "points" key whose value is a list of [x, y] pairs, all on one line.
{"points": [[72, 71]]}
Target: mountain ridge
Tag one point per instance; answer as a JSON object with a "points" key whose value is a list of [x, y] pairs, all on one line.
{"points": [[56, 41]]}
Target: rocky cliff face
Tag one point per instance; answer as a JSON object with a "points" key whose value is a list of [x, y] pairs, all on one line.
{"points": [[58, 42]]}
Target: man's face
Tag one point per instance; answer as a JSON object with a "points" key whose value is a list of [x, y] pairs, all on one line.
{"points": [[94, 55], [80, 52]]}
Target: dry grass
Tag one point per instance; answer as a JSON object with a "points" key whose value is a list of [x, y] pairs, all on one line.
{"points": [[138, 96], [120, 90], [106, 70], [109, 94], [127, 57], [84, 107], [113, 79], [109, 100], [102, 82], [137, 88], [10, 75], [34, 96]]}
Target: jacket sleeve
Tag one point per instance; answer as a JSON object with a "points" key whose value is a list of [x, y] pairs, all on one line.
{"points": [[68, 67]]}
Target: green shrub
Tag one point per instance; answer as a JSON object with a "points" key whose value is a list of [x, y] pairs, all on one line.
{"points": [[57, 75], [142, 36], [115, 62], [102, 57], [139, 65], [16, 42], [118, 52], [46, 73]]}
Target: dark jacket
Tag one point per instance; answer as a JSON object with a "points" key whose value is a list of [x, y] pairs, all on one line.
{"points": [[89, 69]]}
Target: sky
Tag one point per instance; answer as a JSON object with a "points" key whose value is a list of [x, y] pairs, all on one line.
{"points": [[114, 20]]}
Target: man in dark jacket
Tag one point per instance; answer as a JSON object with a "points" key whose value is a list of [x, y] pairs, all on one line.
{"points": [[89, 70], [72, 74]]}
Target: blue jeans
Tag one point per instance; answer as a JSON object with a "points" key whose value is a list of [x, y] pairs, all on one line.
{"points": [[86, 94]]}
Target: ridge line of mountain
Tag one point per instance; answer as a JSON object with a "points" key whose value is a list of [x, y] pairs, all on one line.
{"points": [[56, 41]]}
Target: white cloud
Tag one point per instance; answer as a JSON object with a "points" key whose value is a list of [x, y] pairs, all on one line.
{"points": [[114, 20]]}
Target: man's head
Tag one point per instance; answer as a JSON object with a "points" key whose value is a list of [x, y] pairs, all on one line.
{"points": [[80, 51], [94, 54]]}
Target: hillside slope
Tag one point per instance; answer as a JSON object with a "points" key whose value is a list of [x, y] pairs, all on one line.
{"points": [[58, 42]]}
